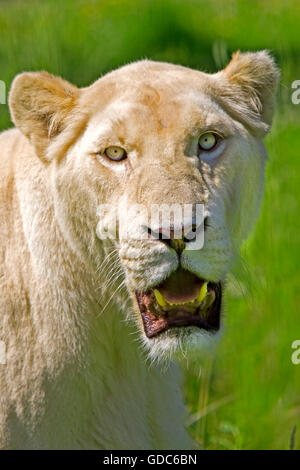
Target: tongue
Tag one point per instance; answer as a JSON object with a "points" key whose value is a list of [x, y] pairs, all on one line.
{"points": [[181, 286]]}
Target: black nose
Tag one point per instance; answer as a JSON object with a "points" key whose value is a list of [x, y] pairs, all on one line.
{"points": [[167, 236]]}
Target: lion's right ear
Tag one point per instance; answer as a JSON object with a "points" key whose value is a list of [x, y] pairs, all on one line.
{"points": [[39, 105]]}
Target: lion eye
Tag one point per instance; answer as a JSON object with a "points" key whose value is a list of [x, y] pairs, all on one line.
{"points": [[115, 153], [207, 141]]}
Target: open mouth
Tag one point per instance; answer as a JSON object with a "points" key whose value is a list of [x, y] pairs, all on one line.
{"points": [[181, 300]]}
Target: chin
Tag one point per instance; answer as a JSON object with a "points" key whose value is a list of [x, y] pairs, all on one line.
{"points": [[187, 342]]}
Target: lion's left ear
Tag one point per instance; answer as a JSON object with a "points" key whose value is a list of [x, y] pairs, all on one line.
{"points": [[39, 105], [248, 86]]}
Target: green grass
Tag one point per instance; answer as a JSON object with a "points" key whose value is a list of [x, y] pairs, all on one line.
{"points": [[247, 396]]}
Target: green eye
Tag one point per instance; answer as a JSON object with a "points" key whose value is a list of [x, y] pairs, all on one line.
{"points": [[115, 153], [207, 141]]}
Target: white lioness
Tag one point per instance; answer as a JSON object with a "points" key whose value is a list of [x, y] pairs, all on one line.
{"points": [[79, 314]]}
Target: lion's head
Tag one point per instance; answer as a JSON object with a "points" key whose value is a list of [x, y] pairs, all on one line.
{"points": [[154, 133]]}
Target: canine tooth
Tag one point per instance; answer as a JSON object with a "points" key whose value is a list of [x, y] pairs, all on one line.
{"points": [[210, 298], [202, 292], [207, 302], [160, 298]]}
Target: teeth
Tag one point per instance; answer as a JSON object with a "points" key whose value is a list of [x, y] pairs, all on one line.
{"points": [[180, 303], [162, 302], [207, 302], [160, 298], [202, 292], [210, 298]]}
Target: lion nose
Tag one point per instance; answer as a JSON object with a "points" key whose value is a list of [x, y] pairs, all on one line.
{"points": [[176, 237]]}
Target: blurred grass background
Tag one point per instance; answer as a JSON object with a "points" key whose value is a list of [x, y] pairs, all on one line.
{"points": [[248, 395]]}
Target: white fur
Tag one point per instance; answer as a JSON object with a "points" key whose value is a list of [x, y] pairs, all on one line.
{"points": [[80, 372]]}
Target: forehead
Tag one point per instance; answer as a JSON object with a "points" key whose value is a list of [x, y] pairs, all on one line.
{"points": [[162, 98], [148, 108]]}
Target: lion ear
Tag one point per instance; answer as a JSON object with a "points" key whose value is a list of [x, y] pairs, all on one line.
{"points": [[248, 85], [39, 105]]}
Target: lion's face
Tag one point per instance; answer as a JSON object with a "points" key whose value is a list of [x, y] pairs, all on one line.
{"points": [[152, 134]]}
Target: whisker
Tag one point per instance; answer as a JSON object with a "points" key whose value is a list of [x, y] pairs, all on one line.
{"points": [[107, 303], [106, 261], [112, 278]]}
